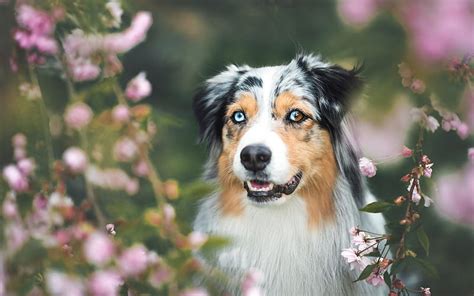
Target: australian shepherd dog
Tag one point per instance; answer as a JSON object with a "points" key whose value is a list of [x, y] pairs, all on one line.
{"points": [[284, 161]]}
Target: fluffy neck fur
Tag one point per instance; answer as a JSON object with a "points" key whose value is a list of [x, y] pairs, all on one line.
{"points": [[295, 259]]}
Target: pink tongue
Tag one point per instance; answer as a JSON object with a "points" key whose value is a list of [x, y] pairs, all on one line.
{"points": [[259, 185]]}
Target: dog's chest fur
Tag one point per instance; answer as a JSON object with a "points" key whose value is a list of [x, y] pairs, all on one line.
{"points": [[294, 259]]}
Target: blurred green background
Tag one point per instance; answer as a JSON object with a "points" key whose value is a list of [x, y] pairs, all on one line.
{"points": [[193, 40]]}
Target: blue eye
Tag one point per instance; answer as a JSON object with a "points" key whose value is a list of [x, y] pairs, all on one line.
{"points": [[238, 117], [296, 116]]}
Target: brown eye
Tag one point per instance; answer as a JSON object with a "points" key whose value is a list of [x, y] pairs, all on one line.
{"points": [[296, 116]]}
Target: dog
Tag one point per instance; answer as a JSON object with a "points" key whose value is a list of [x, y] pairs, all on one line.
{"points": [[284, 160]]}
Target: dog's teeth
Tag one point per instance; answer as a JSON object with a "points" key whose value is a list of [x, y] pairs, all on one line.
{"points": [[259, 186]]}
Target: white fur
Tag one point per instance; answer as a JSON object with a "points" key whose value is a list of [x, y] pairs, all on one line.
{"points": [[294, 259]]}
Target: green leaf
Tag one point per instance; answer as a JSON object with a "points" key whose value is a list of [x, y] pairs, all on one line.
{"points": [[377, 207], [423, 239], [375, 253], [366, 272], [387, 279]]}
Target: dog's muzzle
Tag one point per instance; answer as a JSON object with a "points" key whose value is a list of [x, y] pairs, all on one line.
{"points": [[264, 191]]}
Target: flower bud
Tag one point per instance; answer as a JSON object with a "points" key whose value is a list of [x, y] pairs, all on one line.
{"points": [[196, 239], [398, 284], [407, 152], [171, 189], [78, 115], [19, 140], [399, 200], [121, 113], [406, 178], [138, 88], [405, 222], [75, 160]]}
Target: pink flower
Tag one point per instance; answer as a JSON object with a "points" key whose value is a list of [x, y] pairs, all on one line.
{"points": [[407, 152], [463, 131], [35, 20], [116, 11], [357, 12], [110, 229], [367, 167], [427, 171], [454, 195], [363, 242], [425, 291], [354, 259], [138, 88], [112, 178], [376, 278], [98, 249], [432, 124], [125, 150], [121, 113], [427, 201], [141, 168], [446, 125], [429, 122], [10, 209], [59, 283], [168, 213], [159, 277], [450, 23], [105, 283], [132, 186], [416, 197], [15, 235], [194, 292], [19, 140], [19, 153], [46, 45], [83, 70], [251, 283], [75, 159], [15, 179], [133, 261], [38, 31], [26, 166], [354, 231], [196, 239], [418, 86], [135, 34], [78, 115], [470, 154]]}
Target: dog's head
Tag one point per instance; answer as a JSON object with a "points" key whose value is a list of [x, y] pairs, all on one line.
{"points": [[273, 131]]}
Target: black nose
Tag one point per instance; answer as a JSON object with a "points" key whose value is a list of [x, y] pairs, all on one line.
{"points": [[255, 157]]}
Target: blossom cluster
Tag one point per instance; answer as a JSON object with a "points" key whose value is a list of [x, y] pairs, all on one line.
{"points": [[94, 257], [450, 24], [35, 33], [84, 52]]}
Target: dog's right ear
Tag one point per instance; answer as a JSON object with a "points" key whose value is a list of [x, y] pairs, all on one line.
{"points": [[211, 101]]}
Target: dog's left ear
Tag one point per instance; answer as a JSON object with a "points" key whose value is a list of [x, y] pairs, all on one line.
{"points": [[332, 85]]}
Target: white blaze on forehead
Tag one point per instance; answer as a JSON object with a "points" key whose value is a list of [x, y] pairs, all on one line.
{"points": [[262, 131]]}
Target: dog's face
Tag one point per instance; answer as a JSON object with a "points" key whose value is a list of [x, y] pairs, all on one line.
{"points": [[271, 129]]}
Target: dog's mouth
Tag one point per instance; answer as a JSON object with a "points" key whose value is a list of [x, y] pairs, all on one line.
{"points": [[264, 191]]}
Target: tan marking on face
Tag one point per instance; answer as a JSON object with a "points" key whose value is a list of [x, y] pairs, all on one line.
{"points": [[286, 102], [310, 151], [232, 188], [245, 102]]}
